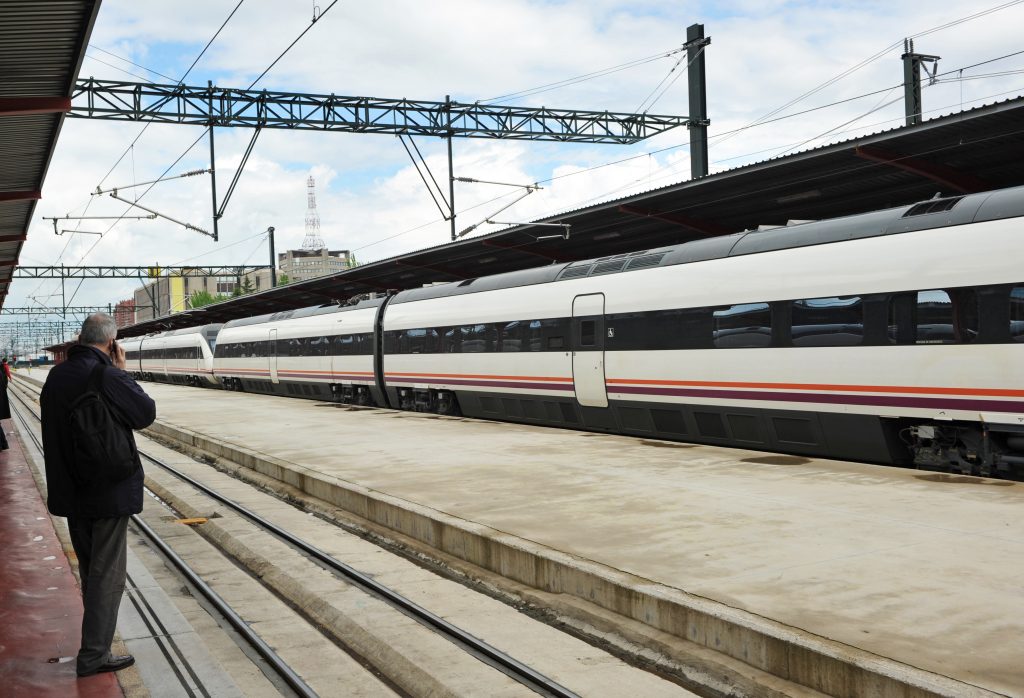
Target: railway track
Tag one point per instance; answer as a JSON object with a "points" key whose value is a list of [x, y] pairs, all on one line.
{"points": [[419, 652]]}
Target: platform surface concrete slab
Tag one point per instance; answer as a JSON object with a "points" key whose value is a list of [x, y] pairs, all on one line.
{"points": [[918, 567]]}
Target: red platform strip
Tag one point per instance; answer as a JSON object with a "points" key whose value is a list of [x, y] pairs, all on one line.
{"points": [[40, 603]]}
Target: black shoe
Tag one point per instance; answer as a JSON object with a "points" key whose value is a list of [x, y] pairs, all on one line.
{"points": [[112, 664]]}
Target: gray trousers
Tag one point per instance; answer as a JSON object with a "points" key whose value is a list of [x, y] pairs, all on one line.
{"points": [[102, 549]]}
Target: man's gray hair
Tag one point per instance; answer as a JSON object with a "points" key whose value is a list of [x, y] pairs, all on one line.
{"points": [[98, 329]]}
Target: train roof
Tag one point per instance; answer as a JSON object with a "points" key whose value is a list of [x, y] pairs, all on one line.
{"points": [[201, 329], [326, 309], [933, 213]]}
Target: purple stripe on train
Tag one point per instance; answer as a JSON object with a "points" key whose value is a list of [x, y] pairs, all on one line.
{"points": [[843, 399]]}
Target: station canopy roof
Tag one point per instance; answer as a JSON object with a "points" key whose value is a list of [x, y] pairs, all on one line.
{"points": [[975, 150], [42, 45]]}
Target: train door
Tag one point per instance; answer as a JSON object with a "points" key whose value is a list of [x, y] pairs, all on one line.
{"points": [[588, 350], [272, 355]]}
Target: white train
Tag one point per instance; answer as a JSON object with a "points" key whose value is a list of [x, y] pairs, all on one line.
{"points": [[179, 356], [893, 337]]}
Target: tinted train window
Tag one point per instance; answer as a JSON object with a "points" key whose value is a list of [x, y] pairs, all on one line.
{"points": [[512, 337], [828, 322], [744, 325], [477, 338], [588, 331], [934, 317], [1017, 314], [545, 334], [417, 341]]}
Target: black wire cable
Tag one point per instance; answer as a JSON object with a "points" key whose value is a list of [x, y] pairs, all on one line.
{"points": [[206, 130], [316, 18], [127, 60]]}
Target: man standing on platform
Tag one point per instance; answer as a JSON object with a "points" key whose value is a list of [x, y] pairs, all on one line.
{"points": [[97, 510]]}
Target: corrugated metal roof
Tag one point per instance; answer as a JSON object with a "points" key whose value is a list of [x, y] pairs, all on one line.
{"points": [[42, 45]]}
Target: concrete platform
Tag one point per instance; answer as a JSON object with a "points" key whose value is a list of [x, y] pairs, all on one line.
{"points": [[848, 578], [40, 603]]}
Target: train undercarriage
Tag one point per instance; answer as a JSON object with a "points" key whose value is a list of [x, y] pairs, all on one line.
{"points": [[967, 448]]}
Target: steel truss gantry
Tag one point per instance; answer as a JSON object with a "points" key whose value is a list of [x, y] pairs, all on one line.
{"points": [[153, 272], [69, 310], [212, 106], [224, 106]]}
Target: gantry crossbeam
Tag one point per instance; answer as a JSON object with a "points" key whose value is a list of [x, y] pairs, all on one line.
{"points": [[154, 272], [182, 104], [60, 310]]}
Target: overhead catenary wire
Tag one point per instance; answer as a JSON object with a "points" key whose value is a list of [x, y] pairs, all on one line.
{"points": [[89, 202], [127, 60], [315, 19], [585, 77], [650, 100]]}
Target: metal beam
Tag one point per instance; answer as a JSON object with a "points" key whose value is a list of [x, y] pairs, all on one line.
{"points": [[76, 309], [206, 106], [28, 106], [947, 176], [27, 195], [61, 272]]}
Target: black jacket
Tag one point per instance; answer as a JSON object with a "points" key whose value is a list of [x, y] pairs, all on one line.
{"points": [[5, 405], [64, 384]]}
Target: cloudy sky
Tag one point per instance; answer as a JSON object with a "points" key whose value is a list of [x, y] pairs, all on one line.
{"points": [[769, 57]]}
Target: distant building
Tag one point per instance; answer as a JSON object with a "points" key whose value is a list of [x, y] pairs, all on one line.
{"points": [[300, 265], [169, 294], [124, 313]]}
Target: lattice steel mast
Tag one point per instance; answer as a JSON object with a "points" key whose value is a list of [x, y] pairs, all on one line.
{"points": [[312, 242]]}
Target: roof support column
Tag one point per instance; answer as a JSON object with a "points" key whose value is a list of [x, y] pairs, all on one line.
{"points": [[697, 122]]}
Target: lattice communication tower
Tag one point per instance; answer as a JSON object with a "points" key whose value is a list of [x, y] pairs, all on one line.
{"points": [[312, 242]]}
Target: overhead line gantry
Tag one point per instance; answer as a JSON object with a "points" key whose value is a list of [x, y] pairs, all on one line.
{"points": [[212, 106], [230, 107], [98, 272]]}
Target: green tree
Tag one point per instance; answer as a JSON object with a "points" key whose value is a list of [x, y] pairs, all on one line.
{"points": [[197, 299], [282, 279], [247, 286]]}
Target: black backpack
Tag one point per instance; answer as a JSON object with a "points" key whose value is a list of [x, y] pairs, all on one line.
{"points": [[104, 451]]}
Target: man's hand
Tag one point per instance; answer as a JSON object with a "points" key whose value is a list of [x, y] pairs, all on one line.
{"points": [[117, 356]]}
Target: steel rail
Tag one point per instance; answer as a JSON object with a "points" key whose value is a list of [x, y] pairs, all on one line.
{"points": [[491, 655], [505, 663], [286, 673]]}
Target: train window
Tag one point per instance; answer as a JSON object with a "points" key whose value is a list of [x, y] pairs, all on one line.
{"points": [[588, 333], [742, 326], [451, 340], [1017, 314], [475, 338], [965, 314], [828, 322], [415, 341], [541, 334], [934, 318], [343, 345], [512, 337], [319, 346]]}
